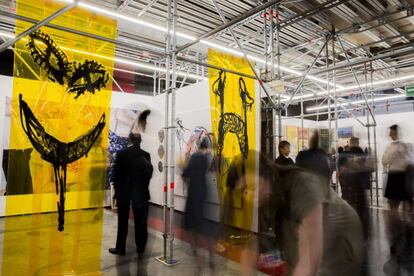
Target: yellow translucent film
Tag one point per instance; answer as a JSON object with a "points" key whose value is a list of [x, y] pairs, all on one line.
{"points": [[233, 117], [31, 185], [292, 138]]}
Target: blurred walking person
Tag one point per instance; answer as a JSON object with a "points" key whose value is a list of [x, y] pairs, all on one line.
{"points": [[318, 232], [354, 177], [315, 159], [396, 162], [195, 176]]}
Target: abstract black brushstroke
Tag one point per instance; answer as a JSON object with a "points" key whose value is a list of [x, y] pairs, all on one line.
{"points": [[48, 56], [231, 122], [58, 153], [218, 89], [89, 76]]}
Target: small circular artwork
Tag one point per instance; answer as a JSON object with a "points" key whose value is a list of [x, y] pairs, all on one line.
{"points": [[161, 135], [160, 166], [161, 151]]}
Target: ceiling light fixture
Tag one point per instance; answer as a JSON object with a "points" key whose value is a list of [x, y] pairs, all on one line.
{"points": [[192, 38], [323, 107], [378, 82], [121, 60]]}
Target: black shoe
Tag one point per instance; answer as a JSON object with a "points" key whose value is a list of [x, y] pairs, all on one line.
{"points": [[116, 251]]}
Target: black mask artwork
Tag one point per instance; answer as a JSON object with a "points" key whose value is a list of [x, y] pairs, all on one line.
{"points": [[231, 122], [58, 153], [88, 76]]}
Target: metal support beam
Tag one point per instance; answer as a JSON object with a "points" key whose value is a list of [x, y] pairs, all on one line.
{"points": [[215, 67], [146, 8], [357, 81], [36, 26], [357, 61], [85, 34], [361, 46], [124, 5], [244, 53], [230, 23], [380, 20], [278, 55], [309, 13], [351, 114], [172, 14], [335, 136], [304, 75]]}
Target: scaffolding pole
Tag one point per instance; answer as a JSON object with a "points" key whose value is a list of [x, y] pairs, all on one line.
{"points": [[169, 161], [37, 25], [335, 135], [241, 48], [272, 76], [301, 121], [368, 131], [269, 122], [306, 74], [228, 24], [375, 138], [327, 89], [278, 54], [356, 80], [173, 18]]}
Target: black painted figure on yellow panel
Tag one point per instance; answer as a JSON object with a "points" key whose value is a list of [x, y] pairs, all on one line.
{"points": [[58, 153], [232, 122], [88, 76], [48, 56]]}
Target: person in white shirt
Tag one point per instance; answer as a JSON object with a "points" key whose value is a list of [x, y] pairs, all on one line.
{"points": [[395, 161]]}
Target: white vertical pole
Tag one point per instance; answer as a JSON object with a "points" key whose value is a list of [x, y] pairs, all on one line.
{"points": [[173, 16], [335, 136]]}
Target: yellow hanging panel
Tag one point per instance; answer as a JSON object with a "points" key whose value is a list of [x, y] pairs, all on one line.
{"points": [[32, 244], [233, 117]]}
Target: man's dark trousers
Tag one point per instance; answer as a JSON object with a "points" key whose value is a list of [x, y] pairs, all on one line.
{"points": [[140, 221]]}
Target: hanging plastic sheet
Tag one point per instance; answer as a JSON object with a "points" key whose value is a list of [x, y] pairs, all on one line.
{"points": [[233, 116], [65, 80]]}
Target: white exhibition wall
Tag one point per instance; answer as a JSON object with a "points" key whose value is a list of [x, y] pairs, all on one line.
{"points": [[193, 109]]}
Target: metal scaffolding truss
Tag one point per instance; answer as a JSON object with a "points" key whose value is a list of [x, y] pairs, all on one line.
{"points": [[324, 50]]}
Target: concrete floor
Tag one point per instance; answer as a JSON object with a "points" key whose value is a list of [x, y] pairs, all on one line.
{"points": [[31, 245], [129, 264]]}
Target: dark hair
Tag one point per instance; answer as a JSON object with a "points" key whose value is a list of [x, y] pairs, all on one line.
{"points": [[394, 127], [314, 140], [135, 138], [204, 143], [340, 150], [283, 144]]}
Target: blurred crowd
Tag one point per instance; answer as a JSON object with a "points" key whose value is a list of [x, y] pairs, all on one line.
{"points": [[308, 216]]}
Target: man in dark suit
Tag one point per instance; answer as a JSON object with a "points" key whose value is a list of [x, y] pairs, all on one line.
{"points": [[131, 176], [284, 150]]}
